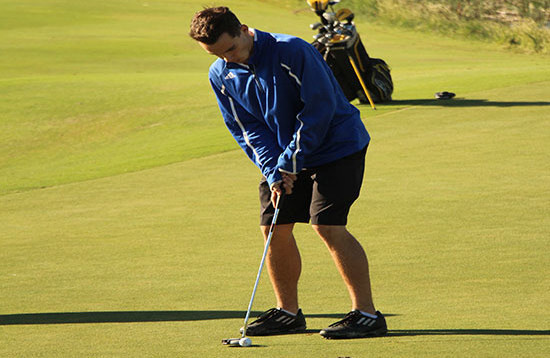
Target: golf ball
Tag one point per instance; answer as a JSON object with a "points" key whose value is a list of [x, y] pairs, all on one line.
{"points": [[245, 342]]}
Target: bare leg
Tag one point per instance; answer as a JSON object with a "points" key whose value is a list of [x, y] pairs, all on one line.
{"points": [[351, 261], [284, 266]]}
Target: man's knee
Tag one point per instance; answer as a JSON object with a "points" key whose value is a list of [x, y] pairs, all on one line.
{"points": [[283, 230], [329, 233]]}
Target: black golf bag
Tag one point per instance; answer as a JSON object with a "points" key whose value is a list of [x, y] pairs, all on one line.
{"points": [[342, 48]]}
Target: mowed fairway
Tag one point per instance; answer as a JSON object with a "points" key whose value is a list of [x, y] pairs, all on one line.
{"points": [[128, 217]]}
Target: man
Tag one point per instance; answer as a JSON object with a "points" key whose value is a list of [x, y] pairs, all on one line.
{"points": [[283, 106]]}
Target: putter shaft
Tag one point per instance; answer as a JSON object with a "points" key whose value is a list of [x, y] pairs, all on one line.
{"points": [[262, 262]]}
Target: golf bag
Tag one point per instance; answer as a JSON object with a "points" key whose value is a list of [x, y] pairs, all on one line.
{"points": [[359, 75]]}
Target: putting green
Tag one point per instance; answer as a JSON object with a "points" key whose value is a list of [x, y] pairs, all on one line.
{"points": [[129, 218]]}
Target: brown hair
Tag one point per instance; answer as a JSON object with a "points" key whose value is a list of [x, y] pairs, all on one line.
{"points": [[209, 24]]}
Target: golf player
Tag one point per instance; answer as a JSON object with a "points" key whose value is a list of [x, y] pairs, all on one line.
{"points": [[282, 104]]}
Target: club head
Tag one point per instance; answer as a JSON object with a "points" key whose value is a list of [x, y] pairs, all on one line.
{"points": [[330, 17], [315, 26], [237, 342], [232, 342]]}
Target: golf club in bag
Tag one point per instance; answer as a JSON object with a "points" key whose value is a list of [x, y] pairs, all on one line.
{"points": [[244, 341], [359, 75]]}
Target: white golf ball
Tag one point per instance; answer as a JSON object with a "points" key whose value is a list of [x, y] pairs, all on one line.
{"points": [[245, 342]]}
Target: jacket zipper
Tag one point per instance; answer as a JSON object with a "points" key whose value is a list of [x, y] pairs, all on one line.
{"points": [[256, 78]]}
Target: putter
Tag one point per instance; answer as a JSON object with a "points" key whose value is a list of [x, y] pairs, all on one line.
{"points": [[243, 341]]}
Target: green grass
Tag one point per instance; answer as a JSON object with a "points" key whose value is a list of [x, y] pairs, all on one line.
{"points": [[128, 217]]}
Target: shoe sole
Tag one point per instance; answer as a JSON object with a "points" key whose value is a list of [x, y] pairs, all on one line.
{"points": [[351, 335]]}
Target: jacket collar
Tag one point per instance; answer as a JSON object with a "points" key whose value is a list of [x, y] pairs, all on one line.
{"points": [[257, 48], [259, 38]]}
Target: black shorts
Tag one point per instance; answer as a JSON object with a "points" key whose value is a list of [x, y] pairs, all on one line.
{"points": [[323, 194]]}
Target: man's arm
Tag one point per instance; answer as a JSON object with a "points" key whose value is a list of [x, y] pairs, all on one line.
{"points": [[253, 136], [305, 66]]}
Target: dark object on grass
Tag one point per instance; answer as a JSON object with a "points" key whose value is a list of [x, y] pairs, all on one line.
{"points": [[444, 95]]}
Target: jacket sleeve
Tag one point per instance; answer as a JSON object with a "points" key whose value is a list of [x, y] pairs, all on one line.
{"points": [[308, 69], [253, 136]]}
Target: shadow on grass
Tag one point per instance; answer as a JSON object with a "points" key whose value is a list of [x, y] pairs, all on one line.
{"points": [[467, 332], [118, 317], [456, 332], [131, 316], [462, 102], [182, 316]]}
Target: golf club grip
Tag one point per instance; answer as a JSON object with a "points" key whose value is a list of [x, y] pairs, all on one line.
{"points": [[281, 196]]}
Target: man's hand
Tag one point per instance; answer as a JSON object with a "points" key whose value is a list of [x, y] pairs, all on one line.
{"points": [[287, 183]]}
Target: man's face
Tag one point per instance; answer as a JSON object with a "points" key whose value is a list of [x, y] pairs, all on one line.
{"points": [[232, 49]]}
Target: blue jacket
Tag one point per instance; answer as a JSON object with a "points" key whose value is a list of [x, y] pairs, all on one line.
{"points": [[285, 108]]}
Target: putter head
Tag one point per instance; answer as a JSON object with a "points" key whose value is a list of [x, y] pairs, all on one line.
{"points": [[232, 342]]}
